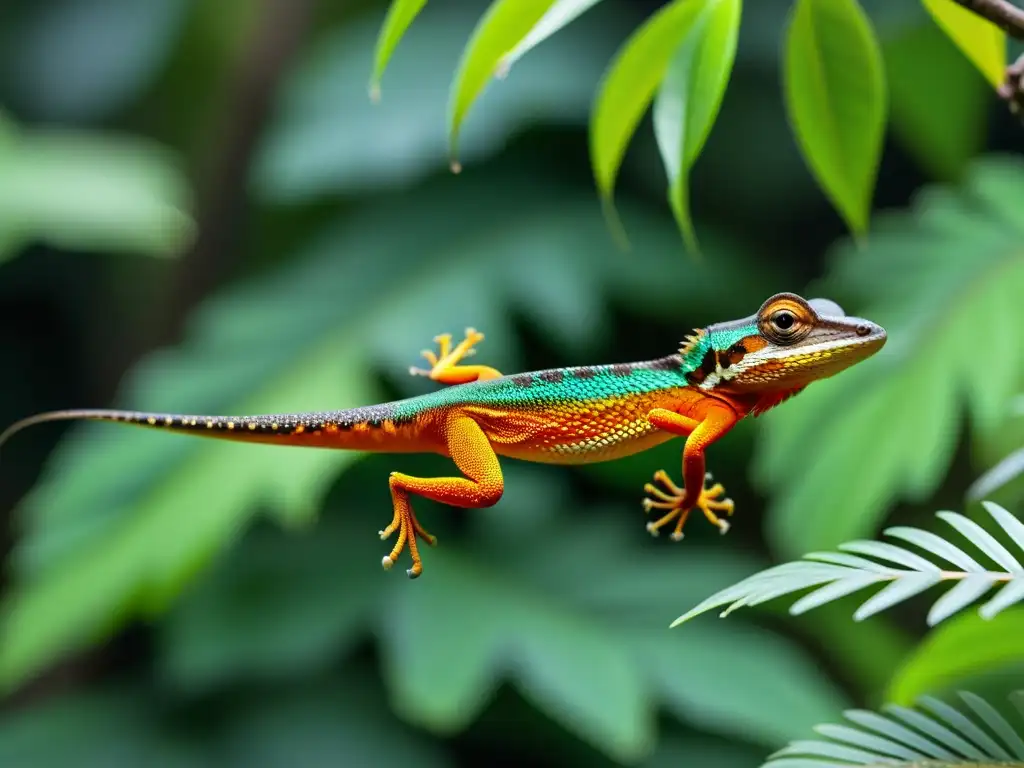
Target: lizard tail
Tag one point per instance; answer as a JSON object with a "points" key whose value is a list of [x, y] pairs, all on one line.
{"points": [[367, 428]]}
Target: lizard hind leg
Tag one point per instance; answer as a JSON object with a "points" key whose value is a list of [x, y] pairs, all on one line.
{"points": [[482, 486], [444, 364]]}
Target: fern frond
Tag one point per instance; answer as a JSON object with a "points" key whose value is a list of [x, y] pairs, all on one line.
{"points": [[940, 736], [904, 573], [1007, 470]]}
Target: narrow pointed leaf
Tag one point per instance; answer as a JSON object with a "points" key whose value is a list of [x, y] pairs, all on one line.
{"points": [[936, 545], [691, 95], [964, 725], [959, 597], [834, 751], [779, 580], [1006, 471], [880, 724], [851, 561], [981, 41], [778, 589], [400, 15], [876, 744], [996, 722], [629, 86], [896, 592], [1012, 525], [560, 14], [836, 99], [834, 591], [982, 539], [953, 727], [1011, 594], [883, 550], [504, 25], [935, 730]]}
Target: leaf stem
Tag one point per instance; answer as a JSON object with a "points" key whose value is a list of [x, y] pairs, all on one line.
{"points": [[994, 575]]}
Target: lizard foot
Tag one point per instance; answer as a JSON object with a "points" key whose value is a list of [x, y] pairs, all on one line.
{"points": [[447, 358], [409, 529], [671, 497]]}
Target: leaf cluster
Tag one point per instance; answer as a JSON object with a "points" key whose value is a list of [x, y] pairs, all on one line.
{"points": [[681, 59]]}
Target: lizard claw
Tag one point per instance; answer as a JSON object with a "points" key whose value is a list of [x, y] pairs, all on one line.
{"points": [[409, 530], [447, 357], [671, 498]]}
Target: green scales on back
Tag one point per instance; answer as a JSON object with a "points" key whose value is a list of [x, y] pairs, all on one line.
{"points": [[553, 386], [586, 382]]}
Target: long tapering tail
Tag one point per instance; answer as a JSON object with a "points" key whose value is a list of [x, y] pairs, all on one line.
{"points": [[357, 428]]}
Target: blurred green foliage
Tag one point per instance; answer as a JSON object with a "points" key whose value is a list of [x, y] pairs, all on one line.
{"points": [[176, 602]]}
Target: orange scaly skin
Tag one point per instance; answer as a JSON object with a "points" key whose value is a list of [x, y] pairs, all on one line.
{"points": [[723, 373]]}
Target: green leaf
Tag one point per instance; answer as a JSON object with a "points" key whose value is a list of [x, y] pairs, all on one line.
{"points": [[400, 15], [504, 27], [561, 13], [95, 728], [327, 138], [1006, 471], [951, 738], [563, 663], [591, 654], [836, 99], [147, 553], [758, 705], [114, 528], [589, 659], [111, 50], [981, 41], [928, 77], [332, 720], [950, 264], [837, 575], [629, 86], [674, 751], [965, 647], [89, 192], [691, 95], [278, 608]]}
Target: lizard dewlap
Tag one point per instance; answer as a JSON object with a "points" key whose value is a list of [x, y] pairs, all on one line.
{"points": [[721, 374]]}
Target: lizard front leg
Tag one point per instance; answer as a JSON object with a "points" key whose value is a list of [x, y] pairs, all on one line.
{"points": [[680, 501], [482, 486], [444, 365]]}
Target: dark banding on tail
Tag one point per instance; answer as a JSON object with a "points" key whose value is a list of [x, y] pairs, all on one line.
{"points": [[247, 428]]}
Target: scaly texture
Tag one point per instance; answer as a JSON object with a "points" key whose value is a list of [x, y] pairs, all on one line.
{"points": [[721, 374]]}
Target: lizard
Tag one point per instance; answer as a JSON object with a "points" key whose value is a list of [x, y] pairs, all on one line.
{"points": [[721, 374]]}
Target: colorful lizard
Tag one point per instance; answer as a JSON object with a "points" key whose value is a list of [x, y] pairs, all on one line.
{"points": [[721, 374]]}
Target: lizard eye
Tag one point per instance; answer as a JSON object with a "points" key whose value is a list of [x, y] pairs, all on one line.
{"points": [[783, 321]]}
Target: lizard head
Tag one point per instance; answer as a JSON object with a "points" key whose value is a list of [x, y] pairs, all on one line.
{"points": [[789, 343]]}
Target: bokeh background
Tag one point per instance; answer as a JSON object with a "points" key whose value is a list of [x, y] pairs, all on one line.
{"points": [[201, 210]]}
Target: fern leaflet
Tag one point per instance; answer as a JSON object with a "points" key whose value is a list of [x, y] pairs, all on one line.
{"points": [[904, 573], [940, 736]]}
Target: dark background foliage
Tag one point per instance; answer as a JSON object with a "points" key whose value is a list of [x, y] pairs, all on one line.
{"points": [[170, 601]]}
